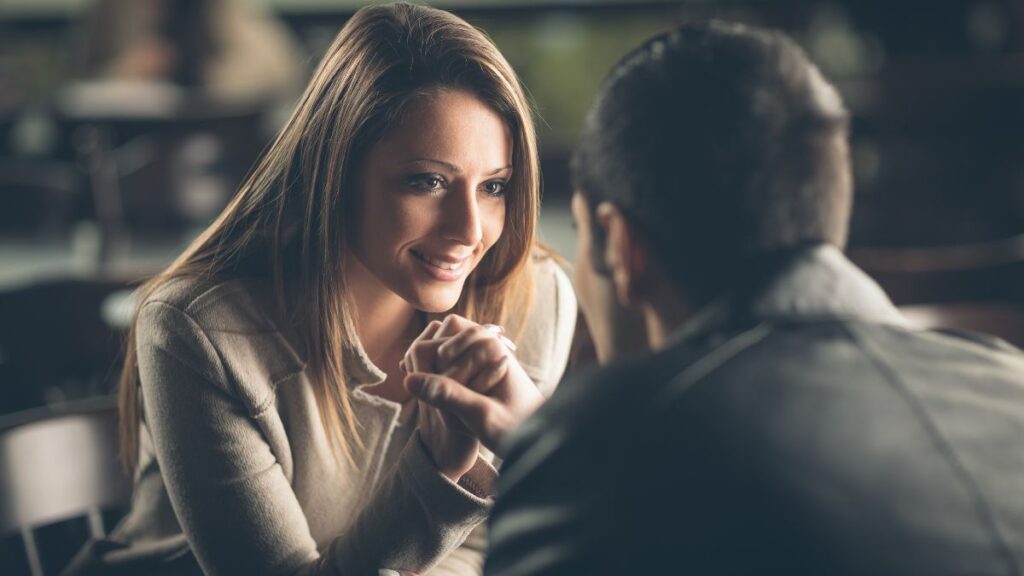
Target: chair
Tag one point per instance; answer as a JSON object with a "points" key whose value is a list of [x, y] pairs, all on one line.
{"points": [[41, 198], [56, 343], [59, 464], [159, 160]]}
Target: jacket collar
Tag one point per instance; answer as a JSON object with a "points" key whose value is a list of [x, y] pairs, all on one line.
{"points": [[359, 369], [813, 284]]}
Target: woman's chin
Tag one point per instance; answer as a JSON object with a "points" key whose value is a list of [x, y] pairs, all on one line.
{"points": [[437, 303]]}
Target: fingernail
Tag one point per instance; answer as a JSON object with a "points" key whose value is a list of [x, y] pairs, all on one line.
{"points": [[495, 328]]}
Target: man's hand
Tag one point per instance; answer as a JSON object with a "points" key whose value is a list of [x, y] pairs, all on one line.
{"points": [[476, 379]]}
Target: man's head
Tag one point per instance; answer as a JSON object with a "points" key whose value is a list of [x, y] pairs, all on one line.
{"points": [[708, 148]]}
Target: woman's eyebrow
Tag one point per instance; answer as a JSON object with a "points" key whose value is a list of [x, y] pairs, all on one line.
{"points": [[447, 165], [453, 167], [500, 170]]}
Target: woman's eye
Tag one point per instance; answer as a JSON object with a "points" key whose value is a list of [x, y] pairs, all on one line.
{"points": [[427, 182], [496, 188]]}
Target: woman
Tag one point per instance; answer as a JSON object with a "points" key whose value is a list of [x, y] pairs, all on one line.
{"points": [[263, 412]]}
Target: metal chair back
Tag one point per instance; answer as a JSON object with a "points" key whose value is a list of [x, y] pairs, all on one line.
{"points": [[59, 464]]}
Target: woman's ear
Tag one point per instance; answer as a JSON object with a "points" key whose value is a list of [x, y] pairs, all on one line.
{"points": [[624, 254]]}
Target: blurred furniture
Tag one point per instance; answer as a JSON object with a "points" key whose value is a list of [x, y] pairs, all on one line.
{"points": [[57, 464], [975, 287], [1000, 319], [41, 198], [979, 272], [56, 344], [159, 160]]}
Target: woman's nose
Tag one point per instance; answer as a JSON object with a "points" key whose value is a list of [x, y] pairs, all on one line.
{"points": [[461, 218]]}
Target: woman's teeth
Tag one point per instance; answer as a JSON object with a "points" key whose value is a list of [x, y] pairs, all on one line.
{"points": [[450, 266]]}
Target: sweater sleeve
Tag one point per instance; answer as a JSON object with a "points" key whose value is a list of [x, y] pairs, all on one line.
{"points": [[466, 560], [416, 517], [232, 498]]}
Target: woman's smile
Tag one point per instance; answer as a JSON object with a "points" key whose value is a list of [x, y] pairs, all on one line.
{"points": [[446, 268]]}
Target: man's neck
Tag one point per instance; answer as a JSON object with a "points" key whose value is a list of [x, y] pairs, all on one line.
{"points": [[663, 316]]}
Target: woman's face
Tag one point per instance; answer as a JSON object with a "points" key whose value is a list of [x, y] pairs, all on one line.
{"points": [[431, 200]]}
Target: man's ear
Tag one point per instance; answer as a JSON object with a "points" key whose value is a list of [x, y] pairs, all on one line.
{"points": [[625, 255]]}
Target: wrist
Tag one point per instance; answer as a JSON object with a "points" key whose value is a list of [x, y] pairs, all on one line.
{"points": [[455, 477], [453, 473]]}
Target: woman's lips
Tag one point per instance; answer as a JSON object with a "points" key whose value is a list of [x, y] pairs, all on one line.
{"points": [[445, 268]]}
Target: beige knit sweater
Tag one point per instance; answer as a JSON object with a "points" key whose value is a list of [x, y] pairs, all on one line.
{"points": [[237, 476]]}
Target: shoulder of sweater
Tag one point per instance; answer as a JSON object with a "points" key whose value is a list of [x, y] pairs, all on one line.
{"points": [[547, 332], [554, 299], [218, 304], [230, 318], [550, 267]]}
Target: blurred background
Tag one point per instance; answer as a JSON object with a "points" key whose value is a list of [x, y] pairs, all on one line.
{"points": [[126, 125]]}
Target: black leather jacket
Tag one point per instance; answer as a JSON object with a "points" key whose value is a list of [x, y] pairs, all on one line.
{"points": [[802, 429]]}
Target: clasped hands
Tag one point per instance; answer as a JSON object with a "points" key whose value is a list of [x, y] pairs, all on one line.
{"points": [[471, 390]]}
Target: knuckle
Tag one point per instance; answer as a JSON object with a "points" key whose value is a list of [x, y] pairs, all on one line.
{"points": [[482, 354], [500, 366], [495, 344], [444, 350], [445, 324], [460, 322], [419, 353], [443, 391], [489, 350], [495, 374]]}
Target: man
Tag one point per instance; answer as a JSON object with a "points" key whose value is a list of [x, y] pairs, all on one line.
{"points": [[788, 420]]}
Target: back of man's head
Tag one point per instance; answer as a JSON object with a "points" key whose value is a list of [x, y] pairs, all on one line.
{"points": [[722, 144]]}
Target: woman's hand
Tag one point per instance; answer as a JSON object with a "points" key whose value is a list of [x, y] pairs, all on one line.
{"points": [[453, 448], [476, 379]]}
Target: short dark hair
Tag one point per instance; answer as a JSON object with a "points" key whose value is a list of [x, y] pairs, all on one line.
{"points": [[721, 143]]}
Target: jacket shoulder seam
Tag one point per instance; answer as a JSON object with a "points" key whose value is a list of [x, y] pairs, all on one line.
{"points": [[205, 340], [702, 367], [980, 502]]}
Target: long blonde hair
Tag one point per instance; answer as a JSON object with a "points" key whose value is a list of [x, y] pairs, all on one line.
{"points": [[286, 223]]}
